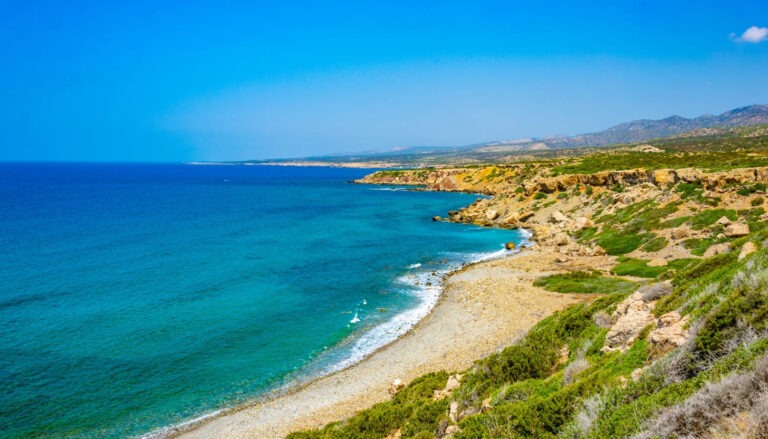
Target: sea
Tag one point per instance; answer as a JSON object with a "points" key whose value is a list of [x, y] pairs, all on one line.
{"points": [[136, 297]]}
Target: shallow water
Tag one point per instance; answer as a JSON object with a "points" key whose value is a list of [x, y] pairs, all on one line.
{"points": [[138, 296]]}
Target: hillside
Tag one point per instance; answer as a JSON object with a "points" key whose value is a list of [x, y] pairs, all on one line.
{"points": [[674, 344]]}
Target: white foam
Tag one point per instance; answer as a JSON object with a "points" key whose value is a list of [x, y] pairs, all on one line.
{"points": [[165, 431], [389, 189], [355, 319], [416, 265]]}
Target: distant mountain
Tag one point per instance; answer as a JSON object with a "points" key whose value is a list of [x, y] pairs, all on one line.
{"points": [[629, 132], [644, 129]]}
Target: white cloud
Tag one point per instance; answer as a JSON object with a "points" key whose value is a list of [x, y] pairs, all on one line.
{"points": [[753, 35]]}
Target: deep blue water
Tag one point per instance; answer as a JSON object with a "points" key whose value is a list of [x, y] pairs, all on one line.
{"points": [[138, 296]]}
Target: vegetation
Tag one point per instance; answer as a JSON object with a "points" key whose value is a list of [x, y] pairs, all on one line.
{"points": [[585, 282]]}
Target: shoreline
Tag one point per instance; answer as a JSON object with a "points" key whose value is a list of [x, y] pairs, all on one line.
{"points": [[484, 307]]}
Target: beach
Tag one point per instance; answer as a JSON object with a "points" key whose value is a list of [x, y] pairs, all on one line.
{"points": [[485, 307]]}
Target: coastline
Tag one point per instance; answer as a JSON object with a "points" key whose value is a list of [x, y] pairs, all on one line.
{"points": [[484, 307]]}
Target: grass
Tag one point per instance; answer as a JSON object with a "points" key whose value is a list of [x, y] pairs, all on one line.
{"points": [[619, 242], [708, 217], [585, 282], [640, 268]]}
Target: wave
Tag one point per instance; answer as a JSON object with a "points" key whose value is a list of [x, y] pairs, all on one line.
{"points": [[390, 189], [425, 286]]}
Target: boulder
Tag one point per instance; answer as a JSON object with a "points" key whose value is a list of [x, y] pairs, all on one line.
{"points": [[669, 333], [723, 221], [437, 218], [581, 223], [492, 214], [717, 249], [510, 245], [747, 249], [679, 233], [561, 239], [598, 251], [734, 230], [557, 217], [396, 386]]}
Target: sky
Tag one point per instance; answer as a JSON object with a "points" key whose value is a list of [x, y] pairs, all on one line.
{"points": [[228, 80]]}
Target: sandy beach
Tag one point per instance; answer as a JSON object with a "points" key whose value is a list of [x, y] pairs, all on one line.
{"points": [[485, 307]]}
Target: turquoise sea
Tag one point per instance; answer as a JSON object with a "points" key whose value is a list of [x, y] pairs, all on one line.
{"points": [[138, 296]]}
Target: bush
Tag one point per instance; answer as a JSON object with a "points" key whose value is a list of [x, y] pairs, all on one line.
{"points": [[584, 282], [616, 242], [655, 244], [540, 196]]}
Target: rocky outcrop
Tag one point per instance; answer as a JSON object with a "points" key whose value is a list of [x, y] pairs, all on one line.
{"points": [[630, 318], [476, 179]]}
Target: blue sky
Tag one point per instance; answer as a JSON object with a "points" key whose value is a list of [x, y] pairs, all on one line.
{"points": [[227, 80]]}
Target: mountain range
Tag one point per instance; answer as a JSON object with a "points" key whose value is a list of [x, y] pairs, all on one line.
{"points": [[624, 133]]}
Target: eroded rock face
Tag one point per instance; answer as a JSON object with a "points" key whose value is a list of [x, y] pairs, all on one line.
{"points": [[631, 317]]}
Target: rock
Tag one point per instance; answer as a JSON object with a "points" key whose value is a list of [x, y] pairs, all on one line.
{"points": [[453, 383], [486, 407], [453, 212], [437, 218], [492, 214], [581, 223], [469, 411], [510, 245], [734, 230], [525, 216], [557, 217], [647, 148], [679, 233], [453, 411], [631, 316], [396, 386], [636, 373], [451, 430], [598, 251], [747, 249], [657, 262], [723, 221], [670, 333], [717, 249], [561, 239]]}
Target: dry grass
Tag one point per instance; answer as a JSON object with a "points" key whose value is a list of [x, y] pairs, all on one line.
{"points": [[716, 403]]}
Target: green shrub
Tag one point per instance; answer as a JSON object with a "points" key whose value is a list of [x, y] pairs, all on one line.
{"points": [[618, 242], [540, 196], [585, 282], [708, 217], [655, 244], [637, 267]]}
